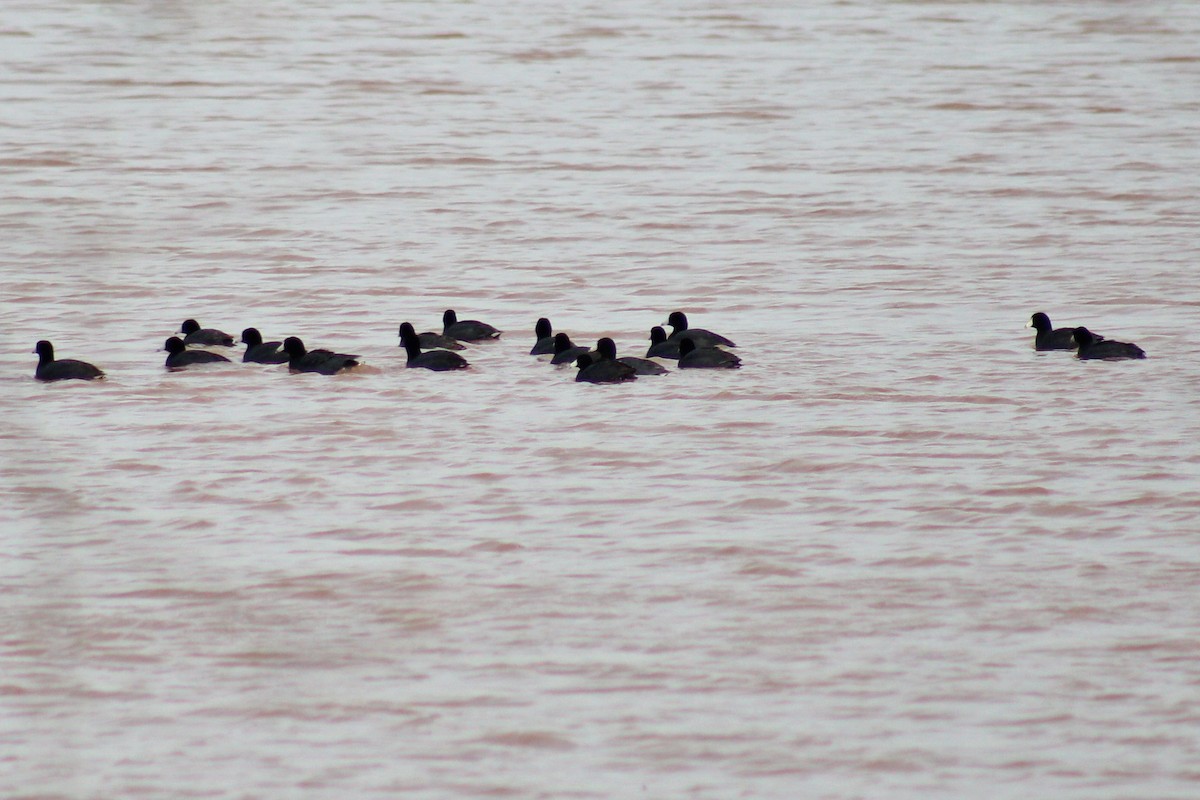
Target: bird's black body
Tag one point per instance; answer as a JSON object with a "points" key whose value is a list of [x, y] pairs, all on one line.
{"points": [[1091, 347], [679, 329], [661, 346], [260, 352], [325, 362], [467, 330], [693, 357], [566, 351], [436, 360], [178, 356], [603, 371], [544, 333], [194, 334], [1050, 338], [606, 349], [49, 369]]}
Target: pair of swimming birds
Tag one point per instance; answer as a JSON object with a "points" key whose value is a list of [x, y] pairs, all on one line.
{"points": [[1089, 345]]}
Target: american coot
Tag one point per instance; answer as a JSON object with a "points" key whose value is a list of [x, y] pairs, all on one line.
{"points": [[603, 371], [261, 352], [178, 356], [607, 350], [194, 334], [661, 346], [436, 360], [566, 351], [544, 333], [325, 362], [1091, 346], [1048, 338], [67, 369], [468, 330], [430, 340], [679, 328], [691, 356]]}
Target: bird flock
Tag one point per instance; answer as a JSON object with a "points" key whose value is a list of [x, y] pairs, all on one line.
{"points": [[691, 348]]}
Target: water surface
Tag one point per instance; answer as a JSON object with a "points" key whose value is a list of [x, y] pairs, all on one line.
{"points": [[897, 554]]}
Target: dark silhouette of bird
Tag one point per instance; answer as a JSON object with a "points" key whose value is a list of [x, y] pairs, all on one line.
{"points": [[436, 360], [194, 334], [326, 362], [1092, 347], [49, 369], [178, 356], [692, 357]]}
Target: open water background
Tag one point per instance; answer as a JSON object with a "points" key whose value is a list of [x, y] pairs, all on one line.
{"points": [[898, 554]]}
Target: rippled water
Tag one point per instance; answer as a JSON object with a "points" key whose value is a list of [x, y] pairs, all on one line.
{"points": [[898, 554]]}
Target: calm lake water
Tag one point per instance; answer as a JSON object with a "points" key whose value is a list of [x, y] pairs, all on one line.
{"points": [[899, 554]]}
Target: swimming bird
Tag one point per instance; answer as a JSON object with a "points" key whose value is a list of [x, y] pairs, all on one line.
{"points": [[178, 356], [430, 340], [467, 330], [325, 362], [261, 352], [691, 356], [64, 369], [1091, 346], [603, 371], [566, 351], [194, 334], [1049, 338], [679, 328], [436, 360], [661, 346], [607, 350], [545, 338]]}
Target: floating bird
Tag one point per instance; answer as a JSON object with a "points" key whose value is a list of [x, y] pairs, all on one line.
{"points": [[661, 346], [468, 330], [603, 371], [679, 328], [691, 356], [1049, 338], [261, 352], [64, 369], [1091, 346], [194, 334], [607, 349], [545, 338], [430, 340], [178, 356], [436, 360], [325, 362], [565, 351]]}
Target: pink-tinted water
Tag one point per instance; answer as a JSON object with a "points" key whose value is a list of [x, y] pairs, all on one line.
{"points": [[898, 555]]}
